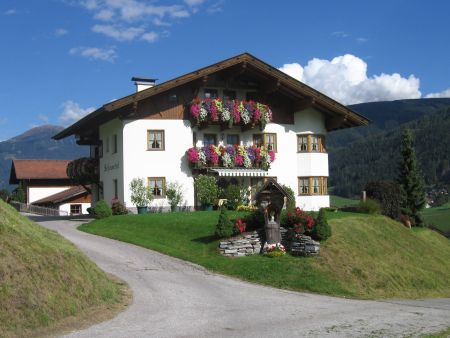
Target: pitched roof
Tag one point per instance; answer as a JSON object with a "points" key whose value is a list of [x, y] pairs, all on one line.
{"points": [[38, 169], [63, 196], [282, 81]]}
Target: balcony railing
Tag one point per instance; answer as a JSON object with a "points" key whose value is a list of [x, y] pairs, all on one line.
{"points": [[236, 156], [229, 113]]}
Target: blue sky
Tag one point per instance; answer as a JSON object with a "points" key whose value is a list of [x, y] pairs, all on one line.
{"points": [[62, 58]]}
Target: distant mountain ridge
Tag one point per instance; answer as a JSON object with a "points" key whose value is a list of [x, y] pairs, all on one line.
{"points": [[37, 143]]}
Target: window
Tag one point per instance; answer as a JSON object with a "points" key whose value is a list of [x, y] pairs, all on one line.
{"points": [[229, 95], [116, 188], [194, 139], [114, 145], [100, 191], [155, 139], [107, 144], [251, 96], [311, 143], [232, 139], [267, 140], [312, 186], [157, 186], [75, 209], [302, 143], [209, 139], [100, 149], [303, 186], [211, 94]]}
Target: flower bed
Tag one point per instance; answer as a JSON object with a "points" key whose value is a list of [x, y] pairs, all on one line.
{"points": [[236, 156], [230, 112]]}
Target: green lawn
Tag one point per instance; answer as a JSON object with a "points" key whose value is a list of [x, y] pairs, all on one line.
{"points": [[339, 202], [367, 257], [439, 217]]}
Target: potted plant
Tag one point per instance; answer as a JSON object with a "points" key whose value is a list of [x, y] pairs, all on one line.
{"points": [[174, 194], [141, 195], [207, 190]]}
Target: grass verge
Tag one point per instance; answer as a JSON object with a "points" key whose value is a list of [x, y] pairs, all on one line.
{"points": [[438, 217], [367, 256], [44, 279], [339, 202]]}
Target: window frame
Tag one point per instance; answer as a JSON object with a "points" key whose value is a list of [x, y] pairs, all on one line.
{"points": [[238, 139], [78, 205], [211, 90], [115, 144], [321, 148], [163, 180], [264, 141], [322, 185], [163, 139], [115, 188]]}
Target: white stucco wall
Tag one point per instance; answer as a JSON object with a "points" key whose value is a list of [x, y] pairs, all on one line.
{"points": [[111, 164], [37, 193], [66, 207], [170, 163]]}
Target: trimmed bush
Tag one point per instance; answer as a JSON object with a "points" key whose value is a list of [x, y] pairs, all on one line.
{"points": [[207, 189], [118, 208], [369, 206], [224, 227], [388, 195], [321, 230], [102, 210]]}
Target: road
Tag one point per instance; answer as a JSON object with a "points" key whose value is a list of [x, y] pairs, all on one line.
{"points": [[173, 298]]}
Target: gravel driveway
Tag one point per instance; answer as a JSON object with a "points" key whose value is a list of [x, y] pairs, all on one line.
{"points": [[172, 298]]}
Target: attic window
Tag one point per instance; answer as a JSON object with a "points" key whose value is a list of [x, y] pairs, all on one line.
{"points": [[211, 94]]}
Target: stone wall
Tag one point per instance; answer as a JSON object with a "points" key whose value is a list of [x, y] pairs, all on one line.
{"points": [[246, 245], [300, 245]]}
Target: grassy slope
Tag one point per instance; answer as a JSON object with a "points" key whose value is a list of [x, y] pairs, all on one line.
{"points": [[368, 256], [339, 202], [44, 278], [439, 217]]}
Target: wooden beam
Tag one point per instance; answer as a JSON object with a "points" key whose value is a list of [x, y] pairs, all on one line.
{"points": [[306, 103]]}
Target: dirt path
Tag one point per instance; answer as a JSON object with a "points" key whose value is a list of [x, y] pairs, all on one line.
{"points": [[173, 298]]}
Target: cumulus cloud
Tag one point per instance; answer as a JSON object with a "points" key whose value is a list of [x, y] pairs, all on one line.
{"points": [[194, 2], [344, 78], [118, 33], [444, 93], [150, 37], [72, 112], [94, 53]]}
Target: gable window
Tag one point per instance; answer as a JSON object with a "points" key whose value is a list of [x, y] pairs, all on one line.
{"points": [[209, 139], [232, 139], [157, 186], [311, 143], [268, 140], [75, 209], [312, 185], [229, 95], [114, 144], [211, 94], [155, 139]]}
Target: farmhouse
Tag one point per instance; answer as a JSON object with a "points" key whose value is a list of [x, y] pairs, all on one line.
{"points": [[46, 184], [241, 120]]}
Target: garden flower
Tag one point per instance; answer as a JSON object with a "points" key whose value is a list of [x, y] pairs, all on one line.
{"points": [[193, 155], [239, 160]]}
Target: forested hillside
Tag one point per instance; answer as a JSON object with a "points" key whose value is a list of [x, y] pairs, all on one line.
{"points": [[373, 154]]}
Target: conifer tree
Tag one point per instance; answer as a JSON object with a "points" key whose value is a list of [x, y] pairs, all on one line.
{"points": [[410, 180]]}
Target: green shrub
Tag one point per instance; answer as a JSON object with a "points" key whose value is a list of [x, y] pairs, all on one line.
{"points": [[4, 194], [233, 195], [369, 206], [224, 227], [290, 203], [254, 220], [117, 207], [388, 195], [141, 195], [174, 194], [102, 210], [18, 195], [321, 230], [206, 188]]}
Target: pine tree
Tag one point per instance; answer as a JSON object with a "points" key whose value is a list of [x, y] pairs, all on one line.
{"points": [[224, 227], [410, 180]]}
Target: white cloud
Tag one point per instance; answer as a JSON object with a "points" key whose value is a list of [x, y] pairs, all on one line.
{"points": [[194, 2], [72, 112], [11, 11], [150, 37], [216, 7], [118, 33], [345, 79], [43, 118], [61, 32], [94, 53], [340, 34], [362, 40], [444, 93]]}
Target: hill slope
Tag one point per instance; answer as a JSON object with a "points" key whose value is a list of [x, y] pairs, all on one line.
{"points": [[44, 278], [374, 155], [37, 143]]}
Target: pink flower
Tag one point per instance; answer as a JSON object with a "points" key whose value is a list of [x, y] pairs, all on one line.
{"points": [[239, 160], [257, 115], [195, 110], [193, 155], [213, 111], [236, 114], [272, 155]]}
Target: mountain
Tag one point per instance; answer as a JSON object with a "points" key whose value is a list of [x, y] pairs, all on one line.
{"points": [[359, 155], [37, 143]]}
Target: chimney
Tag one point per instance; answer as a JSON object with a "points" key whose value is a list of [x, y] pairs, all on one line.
{"points": [[142, 83]]}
